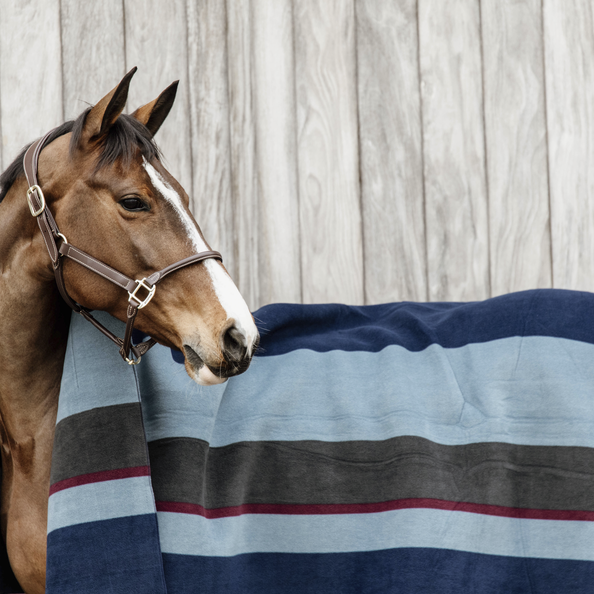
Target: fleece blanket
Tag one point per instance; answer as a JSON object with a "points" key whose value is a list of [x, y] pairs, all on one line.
{"points": [[407, 448]]}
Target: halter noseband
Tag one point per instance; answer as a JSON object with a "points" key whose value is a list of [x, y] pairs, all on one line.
{"points": [[57, 251]]}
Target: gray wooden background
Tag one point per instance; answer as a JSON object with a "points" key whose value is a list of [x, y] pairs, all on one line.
{"points": [[358, 151]]}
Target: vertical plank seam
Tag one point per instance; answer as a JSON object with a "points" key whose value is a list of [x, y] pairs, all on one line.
{"points": [[229, 199], [1, 138], [421, 120], [124, 37], [256, 195], [546, 110], [188, 103], [60, 28], [189, 98], [296, 141], [360, 158], [485, 157], [229, 140]]}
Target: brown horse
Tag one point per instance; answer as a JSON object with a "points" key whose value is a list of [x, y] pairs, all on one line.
{"points": [[111, 197]]}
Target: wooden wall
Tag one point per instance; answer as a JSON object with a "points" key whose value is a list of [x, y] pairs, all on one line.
{"points": [[358, 151]]}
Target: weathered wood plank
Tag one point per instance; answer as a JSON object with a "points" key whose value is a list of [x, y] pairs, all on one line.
{"points": [[569, 74], [1, 143], [328, 164], [209, 109], [244, 183], [516, 145], [276, 157], [93, 59], [156, 42], [391, 151], [30, 74], [453, 141]]}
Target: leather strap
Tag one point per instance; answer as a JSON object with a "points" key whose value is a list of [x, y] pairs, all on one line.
{"points": [[51, 236], [59, 275], [107, 272], [156, 277], [45, 220]]}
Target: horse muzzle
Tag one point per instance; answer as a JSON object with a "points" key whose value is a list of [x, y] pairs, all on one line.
{"points": [[234, 358]]}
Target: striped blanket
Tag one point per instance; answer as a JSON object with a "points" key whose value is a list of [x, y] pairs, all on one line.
{"points": [[407, 448]]}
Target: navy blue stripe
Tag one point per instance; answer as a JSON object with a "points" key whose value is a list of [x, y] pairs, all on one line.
{"points": [[402, 571], [117, 556], [415, 326]]}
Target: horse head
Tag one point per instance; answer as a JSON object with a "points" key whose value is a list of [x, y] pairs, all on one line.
{"points": [[111, 196]]}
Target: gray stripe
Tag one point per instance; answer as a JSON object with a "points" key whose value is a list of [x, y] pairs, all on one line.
{"points": [[314, 472], [105, 438]]}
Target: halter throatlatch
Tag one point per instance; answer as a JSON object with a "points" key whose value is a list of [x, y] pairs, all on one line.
{"points": [[140, 292]]}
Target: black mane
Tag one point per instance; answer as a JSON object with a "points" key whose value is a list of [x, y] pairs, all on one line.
{"points": [[125, 136]]}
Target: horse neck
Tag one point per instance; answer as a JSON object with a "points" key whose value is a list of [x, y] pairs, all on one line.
{"points": [[33, 318]]}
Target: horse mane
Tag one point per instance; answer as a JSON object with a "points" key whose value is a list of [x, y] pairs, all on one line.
{"points": [[124, 138]]}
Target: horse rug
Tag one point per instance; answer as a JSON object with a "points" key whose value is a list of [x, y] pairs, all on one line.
{"points": [[410, 448]]}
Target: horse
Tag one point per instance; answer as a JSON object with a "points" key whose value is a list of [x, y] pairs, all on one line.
{"points": [[102, 192]]}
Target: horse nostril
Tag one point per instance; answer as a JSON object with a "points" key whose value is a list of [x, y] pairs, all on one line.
{"points": [[192, 356], [234, 344]]}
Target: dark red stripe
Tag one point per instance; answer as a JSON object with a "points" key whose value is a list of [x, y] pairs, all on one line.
{"points": [[367, 508], [97, 477]]}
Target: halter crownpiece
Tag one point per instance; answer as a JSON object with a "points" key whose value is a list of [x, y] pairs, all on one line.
{"points": [[140, 292]]}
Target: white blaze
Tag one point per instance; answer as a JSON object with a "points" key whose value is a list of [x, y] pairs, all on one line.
{"points": [[227, 293]]}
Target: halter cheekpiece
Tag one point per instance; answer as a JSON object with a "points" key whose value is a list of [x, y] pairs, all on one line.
{"points": [[140, 292]]}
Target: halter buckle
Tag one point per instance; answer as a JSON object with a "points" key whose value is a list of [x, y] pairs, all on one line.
{"points": [[151, 291], [133, 361], [36, 212]]}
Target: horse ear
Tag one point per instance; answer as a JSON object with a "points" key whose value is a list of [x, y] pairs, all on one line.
{"points": [[108, 110], [153, 114]]}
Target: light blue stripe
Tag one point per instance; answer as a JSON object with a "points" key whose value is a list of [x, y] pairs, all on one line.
{"points": [[261, 533], [530, 391], [100, 501], [94, 372], [171, 401]]}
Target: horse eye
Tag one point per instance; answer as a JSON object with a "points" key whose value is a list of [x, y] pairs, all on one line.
{"points": [[133, 204]]}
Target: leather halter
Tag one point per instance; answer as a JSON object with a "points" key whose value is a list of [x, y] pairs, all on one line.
{"points": [[59, 248]]}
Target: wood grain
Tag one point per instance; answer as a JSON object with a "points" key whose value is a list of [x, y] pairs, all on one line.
{"points": [[391, 151], [453, 141], [569, 51], [93, 59], [516, 145], [276, 152], [329, 200], [156, 42], [209, 110], [30, 73], [242, 133], [342, 150], [1, 141]]}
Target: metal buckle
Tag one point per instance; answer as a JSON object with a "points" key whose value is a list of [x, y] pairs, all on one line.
{"points": [[151, 291], [133, 361], [41, 197]]}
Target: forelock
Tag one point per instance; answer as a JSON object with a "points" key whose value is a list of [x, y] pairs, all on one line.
{"points": [[124, 138]]}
